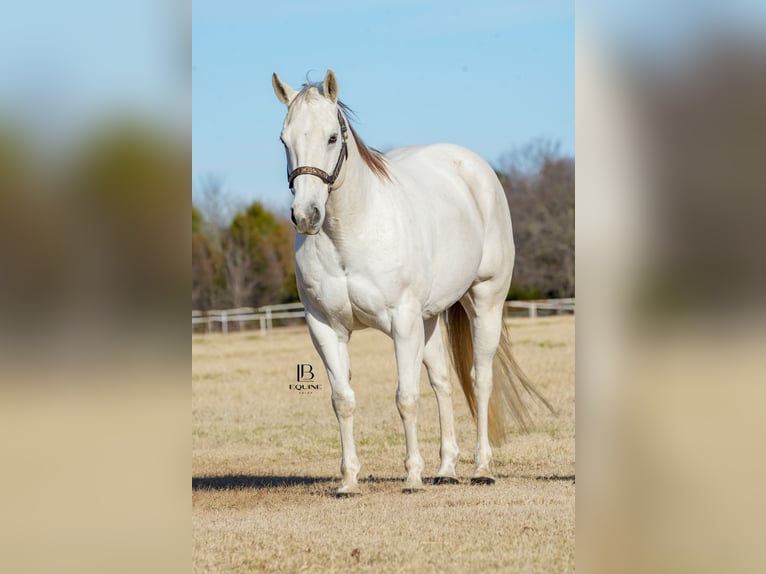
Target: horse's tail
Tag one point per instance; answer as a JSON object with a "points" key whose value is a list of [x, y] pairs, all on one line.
{"points": [[508, 378]]}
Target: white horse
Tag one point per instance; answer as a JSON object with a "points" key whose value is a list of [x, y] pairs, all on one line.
{"points": [[393, 242]]}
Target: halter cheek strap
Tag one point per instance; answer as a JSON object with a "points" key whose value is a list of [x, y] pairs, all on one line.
{"points": [[329, 179]]}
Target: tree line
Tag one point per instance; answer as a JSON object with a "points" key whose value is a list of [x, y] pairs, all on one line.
{"points": [[244, 257]]}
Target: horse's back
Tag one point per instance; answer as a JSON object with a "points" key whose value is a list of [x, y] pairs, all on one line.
{"points": [[474, 171], [432, 163]]}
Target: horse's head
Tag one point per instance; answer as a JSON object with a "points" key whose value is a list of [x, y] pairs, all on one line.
{"points": [[314, 136]]}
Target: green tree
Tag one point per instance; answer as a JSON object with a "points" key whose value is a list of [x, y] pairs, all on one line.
{"points": [[258, 258]]}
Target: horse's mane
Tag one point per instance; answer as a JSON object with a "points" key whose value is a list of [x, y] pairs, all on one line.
{"points": [[374, 159]]}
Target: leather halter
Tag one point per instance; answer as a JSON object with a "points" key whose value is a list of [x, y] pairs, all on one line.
{"points": [[329, 179]]}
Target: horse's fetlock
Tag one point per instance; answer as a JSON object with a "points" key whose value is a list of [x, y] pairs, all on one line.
{"points": [[414, 463], [449, 452]]}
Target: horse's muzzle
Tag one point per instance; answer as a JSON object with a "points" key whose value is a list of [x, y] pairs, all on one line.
{"points": [[307, 224]]}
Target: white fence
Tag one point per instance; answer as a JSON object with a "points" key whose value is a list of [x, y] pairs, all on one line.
{"points": [[555, 306], [245, 317], [264, 315]]}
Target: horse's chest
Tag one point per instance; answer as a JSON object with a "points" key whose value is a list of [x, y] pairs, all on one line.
{"points": [[327, 291], [343, 294]]}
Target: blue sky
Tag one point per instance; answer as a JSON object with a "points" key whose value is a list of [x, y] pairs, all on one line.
{"points": [[65, 65], [487, 75]]}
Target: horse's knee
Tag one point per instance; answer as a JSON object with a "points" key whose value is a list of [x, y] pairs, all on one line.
{"points": [[441, 387], [344, 404], [407, 403]]}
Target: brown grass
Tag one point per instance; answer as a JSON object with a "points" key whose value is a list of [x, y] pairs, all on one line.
{"points": [[265, 463]]}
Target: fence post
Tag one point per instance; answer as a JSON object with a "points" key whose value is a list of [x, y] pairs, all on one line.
{"points": [[262, 320], [269, 324], [532, 310], [224, 323]]}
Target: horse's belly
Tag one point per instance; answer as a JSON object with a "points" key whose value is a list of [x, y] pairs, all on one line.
{"points": [[453, 267]]}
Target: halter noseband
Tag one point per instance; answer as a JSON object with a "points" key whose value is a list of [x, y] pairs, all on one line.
{"points": [[329, 179]]}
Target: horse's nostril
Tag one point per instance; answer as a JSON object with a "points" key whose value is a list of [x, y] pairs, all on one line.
{"points": [[292, 216], [315, 214]]}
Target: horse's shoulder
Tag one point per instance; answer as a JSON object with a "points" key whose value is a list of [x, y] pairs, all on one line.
{"points": [[316, 256]]}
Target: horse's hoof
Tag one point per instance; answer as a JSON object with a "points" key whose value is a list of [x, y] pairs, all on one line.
{"points": [[413, 488], [445, 480], [483, 480], [347, 492]]}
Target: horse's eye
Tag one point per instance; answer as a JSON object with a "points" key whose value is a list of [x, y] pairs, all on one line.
{"points": [[333, 139]]}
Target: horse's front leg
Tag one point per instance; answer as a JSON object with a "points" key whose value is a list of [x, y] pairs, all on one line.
{"points": [[408, 346], [332, 347]]}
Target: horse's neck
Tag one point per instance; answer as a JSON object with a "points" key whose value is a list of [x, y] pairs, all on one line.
{"points": [[350, 202]]}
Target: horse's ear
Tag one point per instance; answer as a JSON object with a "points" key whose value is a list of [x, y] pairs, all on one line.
{"points": [[331, 86], [284, 93]]}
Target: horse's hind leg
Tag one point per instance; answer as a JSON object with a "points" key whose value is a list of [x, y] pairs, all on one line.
{"points": [[333, 348], [485, 308], [435, 360]]}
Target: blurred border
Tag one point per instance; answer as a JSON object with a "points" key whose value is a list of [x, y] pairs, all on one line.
{"points": [[671, 102], [95, 181], [94, 208]]}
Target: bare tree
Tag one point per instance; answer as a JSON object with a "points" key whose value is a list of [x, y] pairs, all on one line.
{"points": [[217, 206], [539, 185], [240, 281], [527, 161], [202, 273]]}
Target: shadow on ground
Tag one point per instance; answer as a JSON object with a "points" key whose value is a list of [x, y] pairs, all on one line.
{"points": [[233, 481], [556, 478], [236, 481], [250, 481]]}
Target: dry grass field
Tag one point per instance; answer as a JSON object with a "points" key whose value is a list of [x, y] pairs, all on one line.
{"points": [[265, 464]]}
